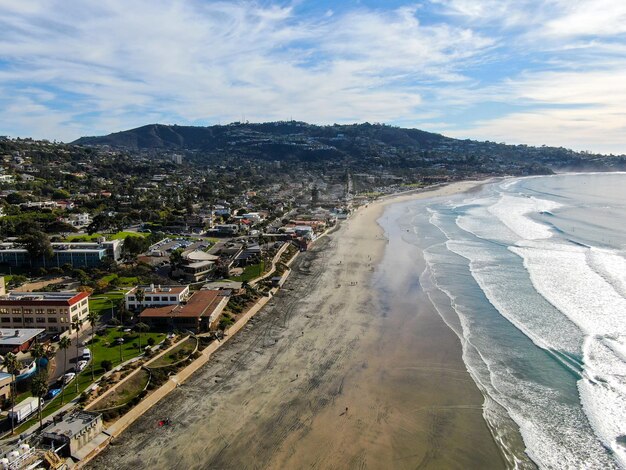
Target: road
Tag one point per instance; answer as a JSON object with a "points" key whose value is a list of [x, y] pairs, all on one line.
{"points": [[59, 358]]}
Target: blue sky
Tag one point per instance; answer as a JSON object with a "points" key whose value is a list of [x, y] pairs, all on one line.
{"points": [[520, 71]]}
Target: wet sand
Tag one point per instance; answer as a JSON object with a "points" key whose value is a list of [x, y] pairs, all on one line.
{"points": [[333, 373]]}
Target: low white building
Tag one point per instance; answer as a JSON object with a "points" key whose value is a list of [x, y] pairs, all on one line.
{"points": [[155, 296], [77, 220]]}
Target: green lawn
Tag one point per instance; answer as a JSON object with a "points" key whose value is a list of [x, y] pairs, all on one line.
{"points": [[121, 235], [250, 272], [121, 281], [102, 303], [105, 346], [108, 236]]}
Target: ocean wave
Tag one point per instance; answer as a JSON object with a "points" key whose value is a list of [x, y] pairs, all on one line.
{"points": [[513, 212], [589, 295]]}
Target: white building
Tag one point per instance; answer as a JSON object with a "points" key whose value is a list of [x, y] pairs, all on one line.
{"points": [[155, 296], [78, 220]]}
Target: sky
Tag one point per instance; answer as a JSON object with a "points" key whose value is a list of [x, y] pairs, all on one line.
{"points": [[537, 72]]}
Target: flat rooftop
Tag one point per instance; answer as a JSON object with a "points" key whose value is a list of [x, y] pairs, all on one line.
{"points": [[44, 298], [71, 425], [18, 336], [159, 289]]}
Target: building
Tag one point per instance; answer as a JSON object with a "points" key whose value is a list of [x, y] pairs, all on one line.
{"points": [[53, 311], [77, 254], [77, 220], [155, 296], [196, 265], [5, 386], [16, 340], [200, 313], [73, 433], [235, 286]]}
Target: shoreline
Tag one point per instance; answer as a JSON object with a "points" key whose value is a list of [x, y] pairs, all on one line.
{"points": [[314, 370]]}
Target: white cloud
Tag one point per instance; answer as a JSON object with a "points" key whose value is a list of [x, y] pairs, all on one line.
{"points": [[211, 61], [575, 109], [70, 68]]}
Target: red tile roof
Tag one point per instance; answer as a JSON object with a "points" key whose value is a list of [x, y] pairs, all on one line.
{"points": [[201, 303]]}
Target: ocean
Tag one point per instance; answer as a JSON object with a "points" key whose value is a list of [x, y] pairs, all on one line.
{"points": [[530, 273]]}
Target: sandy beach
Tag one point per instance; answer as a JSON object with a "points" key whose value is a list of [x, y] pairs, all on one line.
{"points": [[331, 374]]}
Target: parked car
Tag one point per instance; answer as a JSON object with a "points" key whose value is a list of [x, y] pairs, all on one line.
{"points": [[86, 354], [53, 392], [81, 365], [67, 378]]}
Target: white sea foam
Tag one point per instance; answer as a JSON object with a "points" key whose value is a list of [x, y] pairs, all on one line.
{"points": [[556, 433], [513, 212], [478, 221], [519, 303], [562, 275]]}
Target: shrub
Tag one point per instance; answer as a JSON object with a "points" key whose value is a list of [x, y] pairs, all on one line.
{"points": [[106, 365], [151, 341]]}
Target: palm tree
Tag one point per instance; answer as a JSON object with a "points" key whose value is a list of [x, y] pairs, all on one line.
{"points": [[140, 295], [39, 387], [77, 324], [64, 344], [141, 327], [13, 367], [93, 320], [37, 352]]}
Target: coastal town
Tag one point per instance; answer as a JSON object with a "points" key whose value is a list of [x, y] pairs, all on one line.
{"points": [[124, 270]]}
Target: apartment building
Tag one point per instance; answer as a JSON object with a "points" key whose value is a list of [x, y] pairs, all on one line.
{"points": [[53, 311]]}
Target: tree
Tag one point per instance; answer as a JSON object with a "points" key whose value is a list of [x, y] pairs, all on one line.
{"points": [[37, 352], [134, 245], [176, 258], [37, 244], [106, 365], [60, 194], [140, 295], [13, 367], [77, 324], [141, 327], [64, 345], [39, 388], [93, 317]]}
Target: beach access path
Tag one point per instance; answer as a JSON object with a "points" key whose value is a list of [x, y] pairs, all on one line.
{"points": [[324, 377]]}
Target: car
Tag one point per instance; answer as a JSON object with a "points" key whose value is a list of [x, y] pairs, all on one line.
{"points": [[53, 392], [67, 378], [81, 365]]}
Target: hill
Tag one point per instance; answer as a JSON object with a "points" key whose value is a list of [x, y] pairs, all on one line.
{"points": [[361, 145]]}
